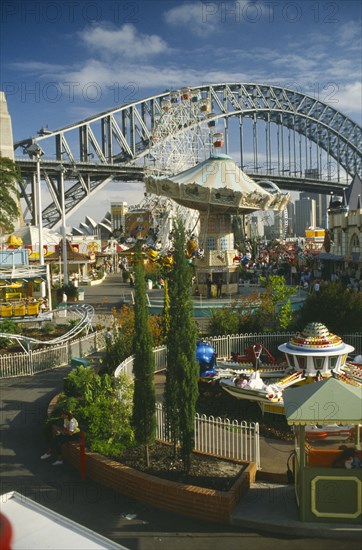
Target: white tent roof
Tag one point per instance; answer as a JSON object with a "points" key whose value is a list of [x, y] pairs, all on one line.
{"points": [[218, 184], [219, 172], [29, 234]]}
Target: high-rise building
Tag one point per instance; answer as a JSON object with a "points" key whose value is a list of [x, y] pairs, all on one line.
{"points": [[7, 146], [305, 215], [118, 213], [280, 224], [255, 227], [321, 207], [291, 219]]}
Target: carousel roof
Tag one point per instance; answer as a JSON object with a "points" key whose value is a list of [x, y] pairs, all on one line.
{"points": [[216, 184], [331, 401]]}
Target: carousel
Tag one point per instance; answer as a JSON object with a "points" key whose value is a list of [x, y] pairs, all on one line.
{"points": [[218, 190]]}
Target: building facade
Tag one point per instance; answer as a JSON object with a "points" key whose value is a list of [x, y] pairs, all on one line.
{"points": [[346, 235], [305, 215]]}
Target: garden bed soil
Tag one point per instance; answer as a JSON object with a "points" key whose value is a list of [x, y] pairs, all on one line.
{"points": [[206, 471]]}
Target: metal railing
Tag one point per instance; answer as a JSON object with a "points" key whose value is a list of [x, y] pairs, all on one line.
{"points": [[220, 437], [28, 364]]}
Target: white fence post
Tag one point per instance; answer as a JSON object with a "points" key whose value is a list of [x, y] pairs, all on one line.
{"points": [[31, 362]]}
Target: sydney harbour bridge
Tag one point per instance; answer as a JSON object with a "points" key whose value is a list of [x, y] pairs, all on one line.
{"points": [[273, 133]]}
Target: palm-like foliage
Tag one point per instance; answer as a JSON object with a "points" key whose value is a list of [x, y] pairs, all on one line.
{"points": [[9, 210]]}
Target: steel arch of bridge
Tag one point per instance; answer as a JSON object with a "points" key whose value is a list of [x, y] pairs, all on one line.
{"points": [[109, 145]]}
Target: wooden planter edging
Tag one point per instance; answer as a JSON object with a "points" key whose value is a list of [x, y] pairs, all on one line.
{"points": [[188, 500]]}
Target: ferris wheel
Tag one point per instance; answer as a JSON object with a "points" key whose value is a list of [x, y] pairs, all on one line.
{"points": [[185, 132]]}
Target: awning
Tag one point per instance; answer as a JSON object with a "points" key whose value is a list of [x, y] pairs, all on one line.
{"points": [[328, 402]]}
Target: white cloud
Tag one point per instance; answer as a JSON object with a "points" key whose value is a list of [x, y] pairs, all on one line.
{"points": [[200, 17], [205, 18], [167, 76], [36, 67], [349, 35], [92, 71], [349, 98], [126, 41]]}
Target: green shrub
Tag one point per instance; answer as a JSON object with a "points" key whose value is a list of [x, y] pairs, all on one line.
{"points": [[103, 408], [49, 328], [9, 327]]}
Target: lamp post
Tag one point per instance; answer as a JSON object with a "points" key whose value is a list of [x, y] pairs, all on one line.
{"points": [[34, 150], [62, 171]]}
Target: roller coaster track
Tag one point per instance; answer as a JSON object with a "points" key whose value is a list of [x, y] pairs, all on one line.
{"points": [[85, 313]]}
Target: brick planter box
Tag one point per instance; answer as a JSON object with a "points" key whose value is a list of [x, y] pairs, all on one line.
{"points": [[189, 500]]}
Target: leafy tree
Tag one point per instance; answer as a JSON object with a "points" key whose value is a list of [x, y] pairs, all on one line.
{"points": [[276, 302], [9, 209], [270, 310], [119, 341], [339, 308], [144, 398], [181, 388], [239, 317], [223, 321]]}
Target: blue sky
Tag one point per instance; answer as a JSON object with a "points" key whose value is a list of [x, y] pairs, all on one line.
{"points": [[63, 61]]}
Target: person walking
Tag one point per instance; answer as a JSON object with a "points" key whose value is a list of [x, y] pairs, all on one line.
{"points": [[220, 282], [209, 286]]}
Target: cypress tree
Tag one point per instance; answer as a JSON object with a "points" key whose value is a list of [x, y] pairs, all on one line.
{"points": [[181, 390], [144, 400], [166, 310]]}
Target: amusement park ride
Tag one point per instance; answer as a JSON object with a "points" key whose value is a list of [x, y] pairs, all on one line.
{"points": [[218, 190], [312, 356], [213, 185]]}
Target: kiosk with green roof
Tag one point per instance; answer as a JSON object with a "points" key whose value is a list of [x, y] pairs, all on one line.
{"points": [[328, 482]]}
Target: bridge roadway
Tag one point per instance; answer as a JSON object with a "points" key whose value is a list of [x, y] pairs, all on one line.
{"points": [[265, 519], [132, 172], [83, 180]]}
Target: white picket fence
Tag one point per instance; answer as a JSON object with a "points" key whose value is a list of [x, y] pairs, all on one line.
{"points": [[220, 437], [224, 345], [28, 364], [160, 354]]}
